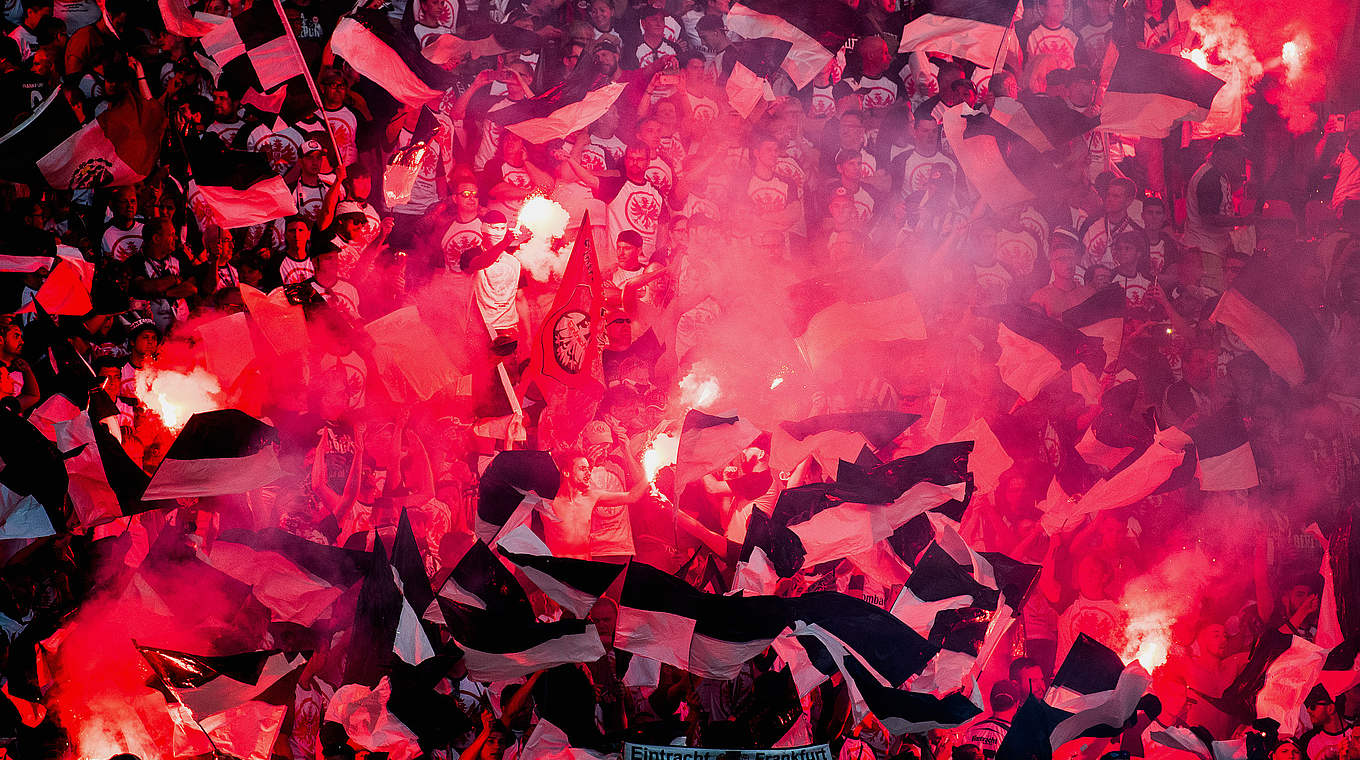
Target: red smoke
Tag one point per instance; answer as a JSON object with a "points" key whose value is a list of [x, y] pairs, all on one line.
{"points": [[1312, 29]]}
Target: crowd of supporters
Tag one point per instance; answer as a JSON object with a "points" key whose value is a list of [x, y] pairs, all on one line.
{"points": [[709, 227]]}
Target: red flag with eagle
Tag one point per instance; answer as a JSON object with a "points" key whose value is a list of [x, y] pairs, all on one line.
{"points": [[567, 347]]}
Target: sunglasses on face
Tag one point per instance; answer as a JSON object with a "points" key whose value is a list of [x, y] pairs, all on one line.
{"points": [[467, 193]]}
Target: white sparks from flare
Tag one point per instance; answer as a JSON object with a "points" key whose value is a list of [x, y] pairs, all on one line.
{"points": [[546, 220], [662, 452], [1293, 54], [775, 383], [1197, 57], [176, 396], [1148, 639], [698, 390]]}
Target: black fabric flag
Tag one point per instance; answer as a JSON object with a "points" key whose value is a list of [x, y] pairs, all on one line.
{"points": [[971, 29], [501, 490], [240, 187], [814, 29], [1150, 93], [220, 452]]}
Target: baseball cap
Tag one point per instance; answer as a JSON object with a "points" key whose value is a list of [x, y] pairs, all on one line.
{"points": [[1063, 236], [630, 237], [311, 146], [608, 42], [493, 217], [349, 208], [1318, 696], [137, 322], [1005, 695]]}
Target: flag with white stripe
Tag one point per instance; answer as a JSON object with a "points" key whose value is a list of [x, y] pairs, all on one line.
{"points": [[971, 29], [1226, 461], [814, 29], [118, 147], [220, 452], [1151, 93], [387, 57], [240, 187]]}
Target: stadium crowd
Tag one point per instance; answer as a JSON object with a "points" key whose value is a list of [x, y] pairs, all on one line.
{"points": [[716, 227]]}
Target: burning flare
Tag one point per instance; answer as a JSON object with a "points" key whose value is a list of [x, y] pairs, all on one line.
{"points": [[1148, 639], [175, 396], [1197, 57], [547, 221], [1294, 56], [663, 451], [699, 390]]}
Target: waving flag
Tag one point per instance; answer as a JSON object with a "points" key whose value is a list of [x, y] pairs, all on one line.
{"points": [[388, 58], [235, 704], [502, 488], [983, 146], [105, 483], [1226, 461], [119, 147], [220, 452], [501, 649], [1097, 688], [567, 347], [814, 29], [182, 22], [366, 716], [708, 442], [560, 111], [485, 42], [259, 57], [574, 584], [815, 524], [1036, 349], [481, 582], [1150, 93], [1046, 123], [240, 187], [1102, 316], [971, 29], [1262, 332]]}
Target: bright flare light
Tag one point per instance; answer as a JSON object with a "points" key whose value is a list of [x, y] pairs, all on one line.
{"points": [[775, 383], [547, 221], [697, 391], [543, 217], [661, 452], [175, 396], [1198, 57], [1293, 54], [1148, 640]]}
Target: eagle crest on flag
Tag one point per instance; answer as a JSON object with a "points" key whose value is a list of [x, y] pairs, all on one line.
{"points": [[571, 334], [93, 172]]}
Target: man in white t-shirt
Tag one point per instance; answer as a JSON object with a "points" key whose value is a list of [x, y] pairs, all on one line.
{"points": [[465, 231], [496, 281], [632, 202], [340, 119], [123, 237], [1053, 37]]}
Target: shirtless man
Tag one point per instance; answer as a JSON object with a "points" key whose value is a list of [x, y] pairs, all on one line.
{"points": [[1064, 291], [567, 519]]}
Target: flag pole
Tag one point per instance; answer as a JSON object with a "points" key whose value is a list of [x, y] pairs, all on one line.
{"points": [[1005, 41], [307, 76], [216, 752]]}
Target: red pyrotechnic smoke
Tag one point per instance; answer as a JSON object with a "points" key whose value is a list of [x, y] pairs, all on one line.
{"points": [[1155, 602], [1299, 41]]}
